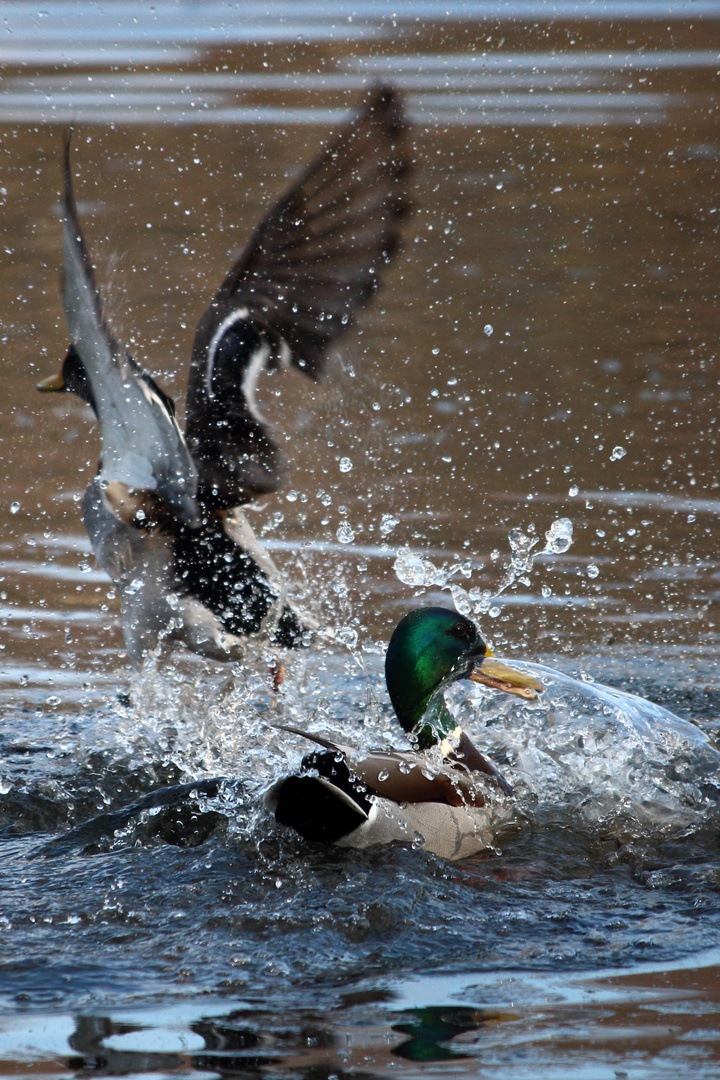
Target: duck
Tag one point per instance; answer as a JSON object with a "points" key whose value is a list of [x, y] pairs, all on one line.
{"points": [[444, 796], [164, 510]]}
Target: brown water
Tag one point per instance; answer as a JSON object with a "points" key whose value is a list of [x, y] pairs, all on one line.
{"points": [[545, 346]]}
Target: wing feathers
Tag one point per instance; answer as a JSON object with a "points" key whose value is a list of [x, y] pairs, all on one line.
{"points": [[142, 446], [310, 264]]}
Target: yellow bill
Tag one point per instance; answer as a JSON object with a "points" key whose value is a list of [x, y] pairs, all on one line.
{"points": [[494, 673], [53, 382]]}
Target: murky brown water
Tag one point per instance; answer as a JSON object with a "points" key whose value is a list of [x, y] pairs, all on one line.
{"points": [[555, 300]]}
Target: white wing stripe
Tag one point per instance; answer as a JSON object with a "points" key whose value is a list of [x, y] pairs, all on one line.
{"points": [[258, 360], [228, 321]]}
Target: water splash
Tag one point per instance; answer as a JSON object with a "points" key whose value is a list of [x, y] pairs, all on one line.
{"points": [[616, 764], [413, 569]]}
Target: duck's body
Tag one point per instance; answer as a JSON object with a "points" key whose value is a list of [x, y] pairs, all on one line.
{"points": [[164, 511], [449, 800], [450, 803], [353, 799]]}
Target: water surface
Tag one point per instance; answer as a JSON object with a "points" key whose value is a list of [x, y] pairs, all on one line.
{"points": [[545, 347]]}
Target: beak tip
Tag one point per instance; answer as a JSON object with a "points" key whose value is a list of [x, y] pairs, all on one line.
{"points": [[52, 383]]}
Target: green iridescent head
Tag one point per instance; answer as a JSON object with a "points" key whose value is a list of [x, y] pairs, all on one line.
{"points": [[427, 647]]}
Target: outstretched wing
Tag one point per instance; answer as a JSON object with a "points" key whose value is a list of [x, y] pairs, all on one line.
{"points": [[312, 261], [142, 445]]}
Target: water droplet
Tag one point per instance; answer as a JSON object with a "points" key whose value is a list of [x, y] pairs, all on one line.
{"points": [[559, 536], [345, 464], [345, 534], [292, 496], [574, 490], [592, 571], [461, 600], [14, 507], [412, 569], [383, 775], [347, 636], [546, 591], [618, 452], [487, 329], [387, 524]]}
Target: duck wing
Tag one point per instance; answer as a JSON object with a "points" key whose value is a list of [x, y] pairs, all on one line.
{"points": [[311, 263], [142, 446], [401, 777]]}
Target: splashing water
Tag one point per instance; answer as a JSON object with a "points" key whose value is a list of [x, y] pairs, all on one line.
{"points": [[617, 764], [412, 569]]}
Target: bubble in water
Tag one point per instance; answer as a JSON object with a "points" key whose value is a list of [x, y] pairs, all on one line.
{"points": [[487, 329], [387, 524], [14, 507], [345, 464], [574, 490], [546, 592], [618, 452], [292, 496], [345, 534], [559, 536], [592, 571]]}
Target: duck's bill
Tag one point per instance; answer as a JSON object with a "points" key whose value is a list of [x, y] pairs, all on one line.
{"points": [[54, 382], [500, 676]]}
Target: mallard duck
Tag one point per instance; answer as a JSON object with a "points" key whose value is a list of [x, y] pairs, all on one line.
{"points": [[448, 804], [163, 512]]}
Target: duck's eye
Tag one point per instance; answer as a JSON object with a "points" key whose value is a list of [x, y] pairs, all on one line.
{"points": [[462, 631]]}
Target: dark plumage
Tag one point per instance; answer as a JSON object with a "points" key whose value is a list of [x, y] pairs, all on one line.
{"points": [[163, 511]]}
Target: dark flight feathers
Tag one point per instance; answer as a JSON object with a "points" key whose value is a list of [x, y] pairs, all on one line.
{"points": [[312, 261]]}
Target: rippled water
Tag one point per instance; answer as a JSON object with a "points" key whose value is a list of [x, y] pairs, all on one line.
{"points": [[545, 348]]}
